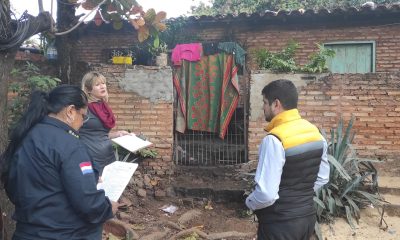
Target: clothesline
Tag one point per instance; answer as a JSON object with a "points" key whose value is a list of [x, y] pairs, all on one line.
{"points": [[193, 51]]}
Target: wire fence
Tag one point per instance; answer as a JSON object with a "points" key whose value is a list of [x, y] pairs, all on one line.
{"points": [[207, 149]]}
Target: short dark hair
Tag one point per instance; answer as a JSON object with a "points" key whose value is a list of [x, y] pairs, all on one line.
{"points": [[284, 90]]}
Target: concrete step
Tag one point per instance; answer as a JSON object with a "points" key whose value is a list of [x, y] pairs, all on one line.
{"points": [[389, 185], [392, 208], [392, 199]]}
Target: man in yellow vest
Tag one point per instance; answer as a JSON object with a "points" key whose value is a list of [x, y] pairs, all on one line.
{"points": [[292, 165]]}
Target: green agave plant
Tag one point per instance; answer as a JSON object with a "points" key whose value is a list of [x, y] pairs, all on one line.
{"points": [[352, 184]]}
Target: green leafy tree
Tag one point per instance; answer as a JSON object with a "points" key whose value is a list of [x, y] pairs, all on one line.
{"points": [[147, 23], [32, 79], [251, 6]]}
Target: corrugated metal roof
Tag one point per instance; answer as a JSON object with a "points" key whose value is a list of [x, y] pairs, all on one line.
{"points": [[366, 9]]}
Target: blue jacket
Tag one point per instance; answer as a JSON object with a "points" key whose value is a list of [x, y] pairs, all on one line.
{"points": [[53, 186]]}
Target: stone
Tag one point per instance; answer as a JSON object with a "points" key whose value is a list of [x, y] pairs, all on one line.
{"points": [[138, 182], [160, 194], [141, 192], [147, 181]]}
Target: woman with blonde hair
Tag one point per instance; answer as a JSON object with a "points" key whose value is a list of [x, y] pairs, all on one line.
{"points": [[96, 131]]}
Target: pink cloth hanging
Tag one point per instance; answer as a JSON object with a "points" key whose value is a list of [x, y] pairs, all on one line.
{"points": [[190, 52]]}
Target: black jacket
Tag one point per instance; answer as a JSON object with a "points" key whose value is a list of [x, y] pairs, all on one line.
{"points": [[53, 186]]}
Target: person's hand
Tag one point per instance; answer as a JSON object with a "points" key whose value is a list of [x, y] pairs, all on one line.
{"points": [[123, 133], [114, 206]]}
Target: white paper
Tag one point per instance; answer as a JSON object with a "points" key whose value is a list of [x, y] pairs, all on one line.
{"points": [[115, 178], [169, 209], [131, 142]]}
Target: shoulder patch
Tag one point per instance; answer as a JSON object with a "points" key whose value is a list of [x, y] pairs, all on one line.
{"points": [[86, 167]]}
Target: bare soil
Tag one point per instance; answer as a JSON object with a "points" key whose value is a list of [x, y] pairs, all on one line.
{"points": [[145, 217]]}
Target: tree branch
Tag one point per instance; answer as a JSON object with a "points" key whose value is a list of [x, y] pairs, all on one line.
{"points": [[41, 23], [24, 28], [80, 21]]}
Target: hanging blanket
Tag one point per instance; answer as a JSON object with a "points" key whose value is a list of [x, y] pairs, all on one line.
{"points": [[208, 93]]}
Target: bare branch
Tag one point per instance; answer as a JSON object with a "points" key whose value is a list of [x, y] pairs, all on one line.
{"points": [[80, 21], [40, 4], [26, 27]]}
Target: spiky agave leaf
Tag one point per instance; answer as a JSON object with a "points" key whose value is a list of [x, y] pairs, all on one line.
{"points": [[319, 202], [339, 169], [345, 193], [323, 191], [331, 149], [349, 216], [331, 202], [355, 183], [375, 199], [318, 231], [338, 200], [374, 176], [346, 140], [334, 186], [353, 205], [339, 129]]}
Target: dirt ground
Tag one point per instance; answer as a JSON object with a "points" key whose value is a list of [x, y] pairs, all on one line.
{"points": [[225, 221], [145, 197]]}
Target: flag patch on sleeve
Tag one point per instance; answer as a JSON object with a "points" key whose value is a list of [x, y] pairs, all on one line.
{"points": [[86, 167]]}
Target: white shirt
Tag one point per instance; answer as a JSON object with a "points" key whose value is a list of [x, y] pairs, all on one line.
{"points": [[269, 172]]}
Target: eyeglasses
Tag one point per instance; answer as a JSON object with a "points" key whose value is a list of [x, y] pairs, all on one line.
{"points": [[85, 117]]}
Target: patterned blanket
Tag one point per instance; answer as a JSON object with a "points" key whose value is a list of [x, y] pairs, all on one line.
{"points": [[208, 93]]}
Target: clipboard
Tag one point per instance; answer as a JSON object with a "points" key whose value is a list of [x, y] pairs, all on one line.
{"points": [[131, 143]]}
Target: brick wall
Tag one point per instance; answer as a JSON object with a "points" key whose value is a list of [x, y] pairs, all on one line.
{"points": [[28, 56], [373, 99], [141, 115], [274, 38], [90, 46]]}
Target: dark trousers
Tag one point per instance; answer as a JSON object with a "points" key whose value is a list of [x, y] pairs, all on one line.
{"points": [[295, 229]]}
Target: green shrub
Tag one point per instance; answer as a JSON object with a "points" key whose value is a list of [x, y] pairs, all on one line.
{"points": [[283, 62], [278, 62], [32, 80], [318, 60], [352, 182]]}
